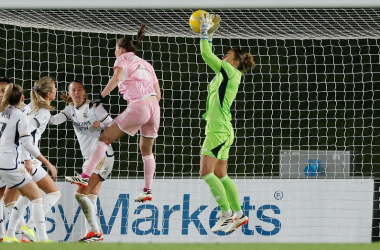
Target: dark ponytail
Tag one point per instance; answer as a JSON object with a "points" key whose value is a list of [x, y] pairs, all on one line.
{"points": [[129, 44], [245, 60]]}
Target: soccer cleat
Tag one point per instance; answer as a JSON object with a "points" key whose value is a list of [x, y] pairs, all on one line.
{"points": [[77, 179], [28, 233], [1, 239], [92, 237], [223, 223], [231, 227], [24, 239], [13, 239], [144, 196]]}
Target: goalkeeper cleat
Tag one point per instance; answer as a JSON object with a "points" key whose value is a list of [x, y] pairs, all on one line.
{"points": [[77, 180], [223, 222], [28, 233], [92, 237], [144, 196], [13, 239], [231, 227]]}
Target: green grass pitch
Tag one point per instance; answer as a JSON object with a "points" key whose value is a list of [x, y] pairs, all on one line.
{"points": [[184, 246]]}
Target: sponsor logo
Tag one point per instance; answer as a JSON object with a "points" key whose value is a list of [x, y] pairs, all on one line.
{"points": [[264, 219]]}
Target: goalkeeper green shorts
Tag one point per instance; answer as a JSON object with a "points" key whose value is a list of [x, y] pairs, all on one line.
{"points": [[219, 138]]}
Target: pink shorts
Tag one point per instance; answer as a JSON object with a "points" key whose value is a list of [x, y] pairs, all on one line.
{"points": [[143, 115]]}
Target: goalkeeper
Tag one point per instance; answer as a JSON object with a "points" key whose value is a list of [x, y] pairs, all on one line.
{"points": [[219, 131]]}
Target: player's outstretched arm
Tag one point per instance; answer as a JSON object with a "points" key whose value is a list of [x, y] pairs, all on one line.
{"points": [[115, 79], [208, 56]]}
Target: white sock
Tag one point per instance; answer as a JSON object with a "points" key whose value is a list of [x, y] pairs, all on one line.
{"points": [[38, 216], [227, 213], [49, 201], [93, 198], [88, 210], [2, 227], [9, 207], [239, 214], [16, 215]]}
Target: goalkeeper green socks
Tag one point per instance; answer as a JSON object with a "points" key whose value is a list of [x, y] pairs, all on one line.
{"points": [[218, 191], [231, 192]]}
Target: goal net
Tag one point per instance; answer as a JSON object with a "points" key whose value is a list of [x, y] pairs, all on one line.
{"points": [[306, 120]]}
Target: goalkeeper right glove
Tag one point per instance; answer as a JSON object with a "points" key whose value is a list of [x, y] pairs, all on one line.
{"points": [[216, 20], [96, 102]]}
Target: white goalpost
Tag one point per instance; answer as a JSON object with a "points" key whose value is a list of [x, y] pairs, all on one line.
{"points": [[305, 156]]}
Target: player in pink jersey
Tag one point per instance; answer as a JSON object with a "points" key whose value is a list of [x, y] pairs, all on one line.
{"points": [[139, 86]]}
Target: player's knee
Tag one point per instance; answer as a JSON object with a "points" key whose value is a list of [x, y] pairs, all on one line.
{"points": [[38, 200], [105, 138], [56, 193], [77, 195]]}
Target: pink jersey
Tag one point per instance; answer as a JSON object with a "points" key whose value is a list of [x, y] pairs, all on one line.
{"points": [[138, 77]]}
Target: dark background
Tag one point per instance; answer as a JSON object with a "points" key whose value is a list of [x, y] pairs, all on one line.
{"points": [[303, 94]]}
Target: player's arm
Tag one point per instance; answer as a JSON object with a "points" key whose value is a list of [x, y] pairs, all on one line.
{"points": [[115, 79], [112, 83], [209, 25], [157, 88], [156, 85], [103, 116], [27, 143], [62, 117]]}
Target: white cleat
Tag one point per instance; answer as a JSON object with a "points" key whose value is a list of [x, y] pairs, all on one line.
{"points": [[223, 222], [231, 227], [144, 196], [77, 179]]}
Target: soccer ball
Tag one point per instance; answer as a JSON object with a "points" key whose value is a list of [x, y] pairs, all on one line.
{"points": [[193, 22]]}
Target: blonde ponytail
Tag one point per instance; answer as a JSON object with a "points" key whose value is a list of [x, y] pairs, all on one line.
{"points": [[12, 96], [66, 97], [39, 92]]}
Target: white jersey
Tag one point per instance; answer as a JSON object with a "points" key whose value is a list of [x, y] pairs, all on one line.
{"points": [[82, 118], [41, 117], [13, 126]]}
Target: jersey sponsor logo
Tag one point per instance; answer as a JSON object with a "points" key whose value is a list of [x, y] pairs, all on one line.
{"points": [[82, 125]]}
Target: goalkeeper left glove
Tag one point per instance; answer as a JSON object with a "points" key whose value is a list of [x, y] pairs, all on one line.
{"points": [[206, 23]]}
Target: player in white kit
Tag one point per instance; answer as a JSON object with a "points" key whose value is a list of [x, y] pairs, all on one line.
{"points": [[13, 132], [3, 84], [43, 92], [138, 83], [88, 124], [9, 205]]}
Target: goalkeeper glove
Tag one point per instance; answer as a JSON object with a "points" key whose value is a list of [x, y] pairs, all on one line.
{"points": [[205, 23], [216, 21], [96, 102]]}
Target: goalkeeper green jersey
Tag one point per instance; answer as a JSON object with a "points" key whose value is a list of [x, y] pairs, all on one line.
{"points": [[223, 88]]}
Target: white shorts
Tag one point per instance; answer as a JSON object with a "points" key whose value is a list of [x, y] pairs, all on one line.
{"points": [[2, 183], [104, 167], [38, 171], [12, 173]]}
